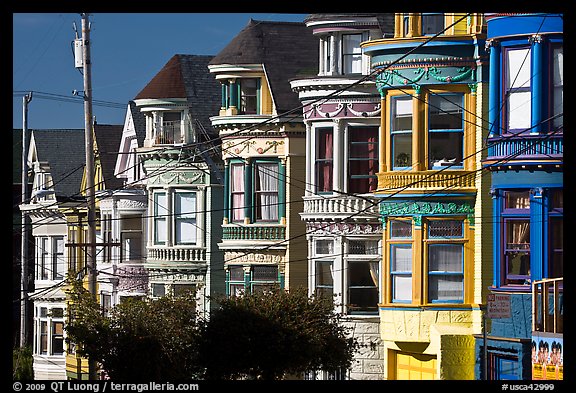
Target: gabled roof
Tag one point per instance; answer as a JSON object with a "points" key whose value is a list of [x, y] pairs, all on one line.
{"points": [[187, 76], [285, 49], [64, 150], [107, 140]]}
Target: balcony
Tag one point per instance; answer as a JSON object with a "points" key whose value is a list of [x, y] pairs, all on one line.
{"points": [[548, 305], [542, 148], [175, 255], [253, 232], [339, 207]]}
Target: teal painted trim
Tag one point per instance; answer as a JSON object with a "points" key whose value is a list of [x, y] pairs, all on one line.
{"points": [[247, 280], [281, 279], [227, 283], [537, 84], [224, 103], [227, 196], [248, 194], [281, 190], [425, 208]]}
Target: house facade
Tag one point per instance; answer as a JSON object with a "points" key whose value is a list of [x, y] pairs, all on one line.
{"points": [[525, 161], [55, 192], [431, 77], [263, 149], [341, 108], [182, 173]]}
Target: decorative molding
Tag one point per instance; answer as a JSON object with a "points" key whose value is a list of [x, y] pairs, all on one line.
{"points": [[390, 77], [130, 204], [177, 177], [320, 228], [252, 257], [424, 208]]}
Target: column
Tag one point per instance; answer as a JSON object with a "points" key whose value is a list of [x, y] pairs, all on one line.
{"points": [[494, 105], [537, 83], [338, 155], [382, 153], [226, 215], [418, 162]]}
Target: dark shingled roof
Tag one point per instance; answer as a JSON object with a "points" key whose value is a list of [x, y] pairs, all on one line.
{"points": [[286, 49], [187, 76], [64, 150], [107, 139]]}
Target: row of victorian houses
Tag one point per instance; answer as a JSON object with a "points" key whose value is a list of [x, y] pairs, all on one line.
{"points": [[409, 165]]}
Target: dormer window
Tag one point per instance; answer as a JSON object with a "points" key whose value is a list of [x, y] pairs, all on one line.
{"points": [[42, 190], [243, 95]]}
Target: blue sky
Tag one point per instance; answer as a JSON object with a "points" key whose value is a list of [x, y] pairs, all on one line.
{"points": [[127, 50]]}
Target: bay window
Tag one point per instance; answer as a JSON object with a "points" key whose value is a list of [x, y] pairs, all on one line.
{"points": [[175, 219], [254, 278], [49, 325], [516, 229]]}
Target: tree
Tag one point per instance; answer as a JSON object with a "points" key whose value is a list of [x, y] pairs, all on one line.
{"points": [[269, 335], [154, 340]]}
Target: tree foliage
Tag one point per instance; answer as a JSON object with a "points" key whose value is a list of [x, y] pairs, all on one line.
{"points": [[265, 335], [269, 335], [147, 339]]}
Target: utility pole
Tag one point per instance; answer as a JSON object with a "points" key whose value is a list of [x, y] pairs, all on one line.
{"points": [[89, 138], [25, 227]]}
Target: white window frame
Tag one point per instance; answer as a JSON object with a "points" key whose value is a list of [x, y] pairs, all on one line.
{"points": [[47, 317]]}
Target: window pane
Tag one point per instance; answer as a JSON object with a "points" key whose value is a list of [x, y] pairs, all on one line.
{"points": [[351, 53], [131, 246], [237, 191], [445, 149], [446, 288], [265, 273], [158, 290], [324, 156], [43, 337], [248, 96], [400, 229], [324, 273], [518, 234], [186, 231], [519, 110], [185, 217], [402, 114], [401, 258], [445, 258], [57, 338], [445, 228], [402, 148], [402, 288], [517, 199], [236, 273], [445, 112], [363, 247], [266, 188], [182, 289], [362, 159], [432, 23], [160, 217], [518, 68], [324, 247], [558, 86]]}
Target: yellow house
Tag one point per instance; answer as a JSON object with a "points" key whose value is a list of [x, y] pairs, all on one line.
{"points": [[431, 78]]}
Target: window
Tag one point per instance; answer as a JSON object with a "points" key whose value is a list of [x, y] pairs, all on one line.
{"points": [[503, 367], [255, 191], [51, 264], [324, 279], [351, 54], [256, 278], [324, 158], [362, 267], [237, 191], [516, 229], [517, 90], [106, 303], [326, 54], [131, 237], [362, 159], [168, 128], [558, 88], [160, 218], [185, 217], [445, 130], [42, 183], [266, 191], [180, 215], [401, 132], [445, 262], [183, 289], [158, 289], [432, 24], [442, 261], [49, 325], [235, 280], [249, 96]]}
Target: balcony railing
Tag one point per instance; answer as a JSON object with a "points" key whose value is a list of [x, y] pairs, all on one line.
{"points": [[336, 206], [169, 133], [543, 146], [548, 305], [176, 254], [253, 232], [397, 180]]}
